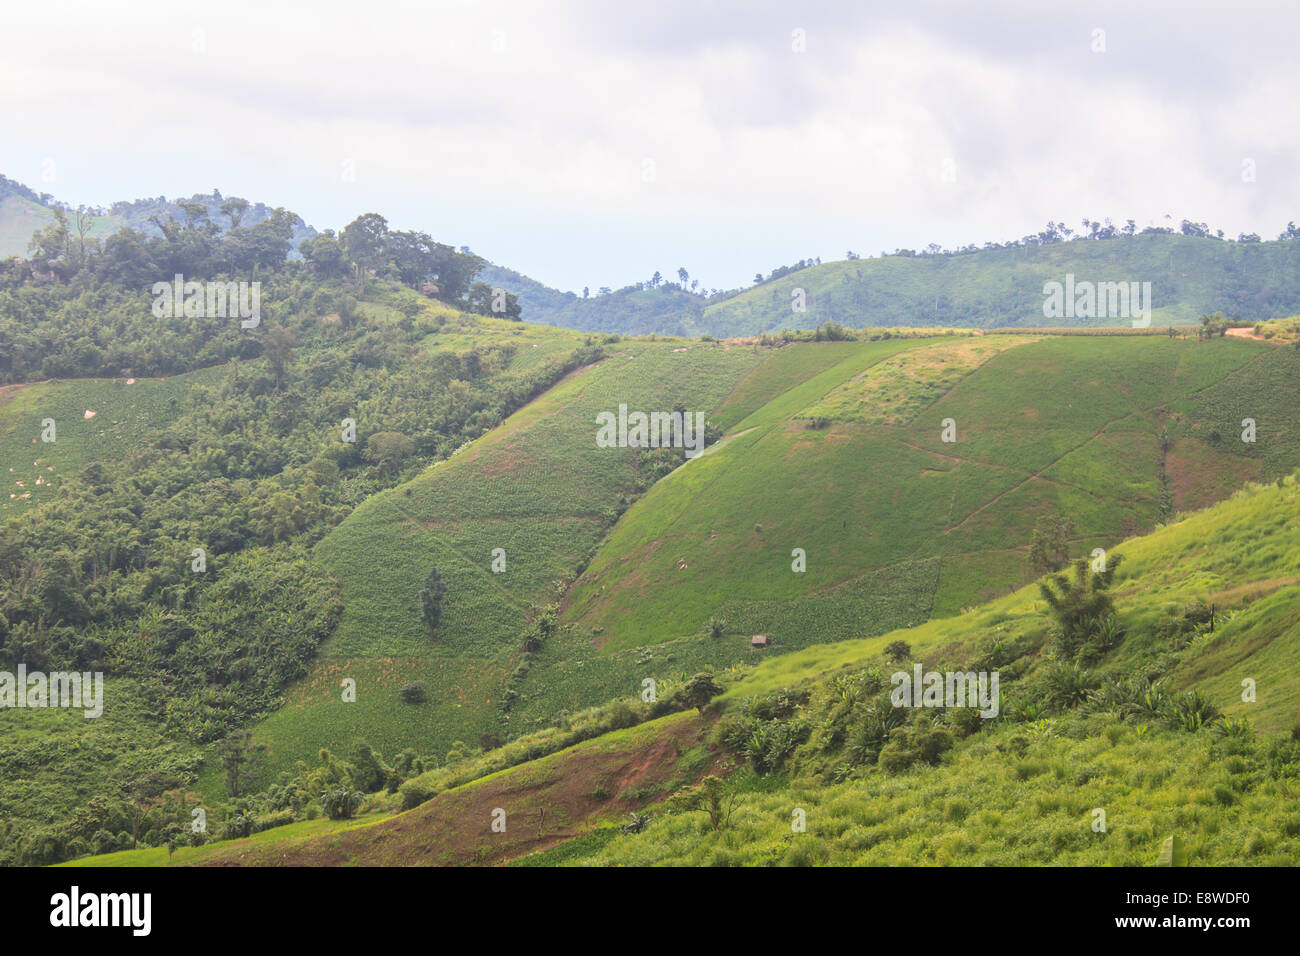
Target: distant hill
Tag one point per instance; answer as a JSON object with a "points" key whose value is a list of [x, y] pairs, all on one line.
{"points": [[988, 288], [1003, 287], [665, 309], [23, 211], [993, 287]]}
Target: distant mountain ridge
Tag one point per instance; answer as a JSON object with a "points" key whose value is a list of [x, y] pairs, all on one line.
{"points": [[23, 210], [987, 288], [997, 286]]}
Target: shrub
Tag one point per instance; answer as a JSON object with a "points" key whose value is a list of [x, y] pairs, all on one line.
{"points": [[1067, 685], [414, 793], [636, 822], [1191, 712], [414, 693], [898, 651], [698, 691], [340, 803]]}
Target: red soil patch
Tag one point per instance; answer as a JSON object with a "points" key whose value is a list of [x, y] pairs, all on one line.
{"points": [[1199, 476], [545, 802], [7, 392]]}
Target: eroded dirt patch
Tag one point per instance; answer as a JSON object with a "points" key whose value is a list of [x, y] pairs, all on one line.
{"points": [[545, 802]]}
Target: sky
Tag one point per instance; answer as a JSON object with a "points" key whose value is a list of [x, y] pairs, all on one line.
{"points": [[591, 144]]}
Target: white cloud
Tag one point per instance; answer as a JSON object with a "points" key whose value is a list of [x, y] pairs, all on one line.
{"points": [[523, 131]]}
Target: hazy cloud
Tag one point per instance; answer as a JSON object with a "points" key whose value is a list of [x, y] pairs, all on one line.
{"points": [[524, 130]]}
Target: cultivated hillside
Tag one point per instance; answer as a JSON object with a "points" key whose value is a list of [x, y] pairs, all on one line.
{"points": [[1155, 732], [995, 288], [989, 288], [834, 448]]}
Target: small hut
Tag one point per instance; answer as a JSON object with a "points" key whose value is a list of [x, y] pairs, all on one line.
{"points": [[758, 640]]}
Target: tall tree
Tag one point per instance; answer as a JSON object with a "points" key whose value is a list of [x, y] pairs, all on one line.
{"points": [[431, 596], [365, 241], [239, 759], [1049, 547]]}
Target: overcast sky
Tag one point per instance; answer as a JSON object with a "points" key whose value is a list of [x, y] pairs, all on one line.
{"points": [[593, 143]]}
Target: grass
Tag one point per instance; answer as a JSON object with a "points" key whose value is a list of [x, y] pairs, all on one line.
{"points": [[985, 806], [1058, 425], [126, 416], [537, 487], [1010, 794], [1004, 287]]}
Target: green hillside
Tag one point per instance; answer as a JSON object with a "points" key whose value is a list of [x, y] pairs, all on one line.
{"points": [[1023, 788], [540, 489], [1055, 425], [472, 598], [995, 288], [665, 309], [896, 524]]}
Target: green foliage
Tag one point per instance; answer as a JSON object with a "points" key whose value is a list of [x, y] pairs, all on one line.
{"points": [[239, 759], [715, 796], [698, 691], [340, 803], [898, 651], [1080, 605], [431, 596], [1049, 548], [416, 692]]}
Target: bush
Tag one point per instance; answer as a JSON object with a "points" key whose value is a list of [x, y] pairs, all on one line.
{"points": [[414, 693], [1067, 685], [340, 803], [898, 651]]}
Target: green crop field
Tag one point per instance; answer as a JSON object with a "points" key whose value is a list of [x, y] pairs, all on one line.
{"points": [[1050, 425], [538, 488], [1018, 791], [896, 524], [994, 288], [125, 416]]}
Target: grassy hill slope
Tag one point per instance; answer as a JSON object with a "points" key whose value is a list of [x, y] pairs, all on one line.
{"points": [[539, 488], [1019, 789], [1068, 426], [896, 524], [1004, 287]]}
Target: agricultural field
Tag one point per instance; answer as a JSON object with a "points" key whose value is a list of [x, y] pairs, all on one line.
{"points": [[1057, 425], [1003, 287], [934, 538], [1021, 790], [539, 489], [94, 420]]}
